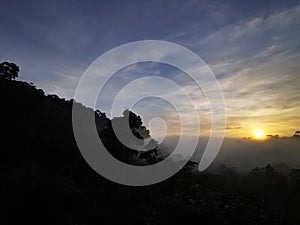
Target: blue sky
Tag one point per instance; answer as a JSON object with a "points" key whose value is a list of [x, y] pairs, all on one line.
{"points": [[253, 47]]}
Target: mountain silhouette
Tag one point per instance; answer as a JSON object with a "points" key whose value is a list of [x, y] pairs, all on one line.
{"points": [[45, 180]]}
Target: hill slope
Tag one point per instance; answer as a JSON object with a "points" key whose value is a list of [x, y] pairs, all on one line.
{"points": [[45, 180]]}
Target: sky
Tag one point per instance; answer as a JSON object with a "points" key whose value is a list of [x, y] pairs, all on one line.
{"points": [[252, 47]]}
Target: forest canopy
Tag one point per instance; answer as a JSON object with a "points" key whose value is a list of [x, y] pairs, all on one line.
{"points": [[44, 178]]}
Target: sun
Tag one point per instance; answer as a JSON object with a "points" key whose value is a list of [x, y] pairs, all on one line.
{"points": [[259, 134]]}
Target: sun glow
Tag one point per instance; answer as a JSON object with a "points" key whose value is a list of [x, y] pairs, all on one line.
{"points": [[259, 134]]}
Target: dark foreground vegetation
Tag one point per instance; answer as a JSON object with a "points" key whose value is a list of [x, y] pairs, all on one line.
{"points": [[45, 180]]}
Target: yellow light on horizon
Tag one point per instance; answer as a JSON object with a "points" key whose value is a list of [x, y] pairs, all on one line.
{"points": [[259, 134]]}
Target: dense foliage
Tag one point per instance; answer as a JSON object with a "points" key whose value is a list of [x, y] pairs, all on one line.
{"points": [[9, 70], [45, 180]]}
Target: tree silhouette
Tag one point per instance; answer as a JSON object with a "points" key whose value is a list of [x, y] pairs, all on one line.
{"points": [[134, 134], [9, 70], [297, 134], [295, 178], [43, 174]]}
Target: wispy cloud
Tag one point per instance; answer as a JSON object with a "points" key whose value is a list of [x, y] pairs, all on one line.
{"points": [[256, 64], [253, 49]]}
